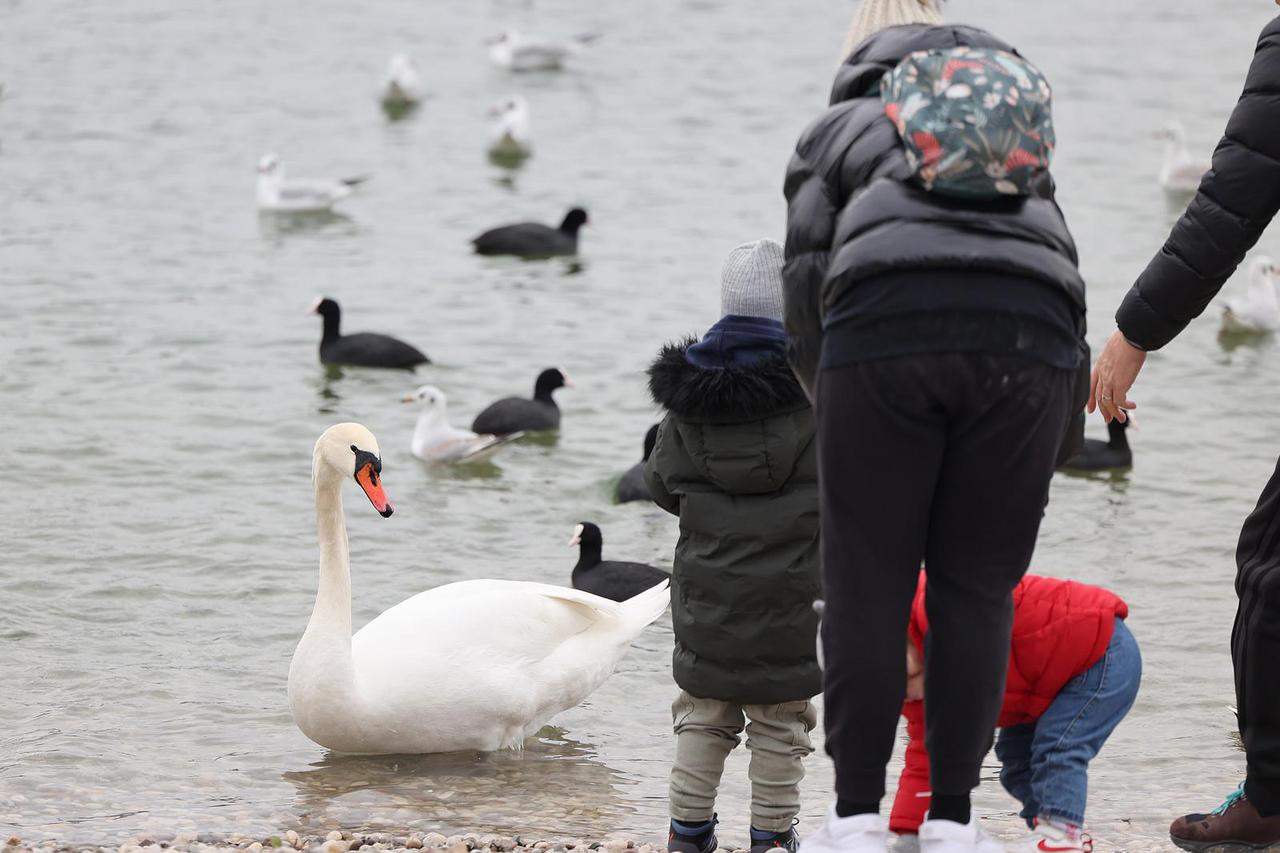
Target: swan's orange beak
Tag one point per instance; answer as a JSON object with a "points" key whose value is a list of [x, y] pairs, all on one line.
{"points": [[372, 485]]}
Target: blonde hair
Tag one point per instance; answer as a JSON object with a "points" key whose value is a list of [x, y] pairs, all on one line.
{"points": [[875, 15]]}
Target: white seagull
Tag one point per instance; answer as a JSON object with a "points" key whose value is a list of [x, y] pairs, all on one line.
{"points": [[517, 52], [1258, 311], [1181, 172], [434, 440], [509, 132], [300, 195], [402, 85]]}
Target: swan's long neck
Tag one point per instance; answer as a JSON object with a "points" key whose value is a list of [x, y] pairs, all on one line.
{"points": [[332, 609]]}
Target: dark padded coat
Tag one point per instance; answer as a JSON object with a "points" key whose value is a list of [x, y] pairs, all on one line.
{"points": [[852, 215], [736, 459], [1237, 199]]}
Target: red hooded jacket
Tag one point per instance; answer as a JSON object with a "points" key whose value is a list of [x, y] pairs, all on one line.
{"points": [[1060, 629]]}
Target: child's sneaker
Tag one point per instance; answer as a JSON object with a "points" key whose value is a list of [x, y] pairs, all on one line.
{"points": [[776, 842], [862, 833], [1049, 837], [679, 840], [947, 836]]}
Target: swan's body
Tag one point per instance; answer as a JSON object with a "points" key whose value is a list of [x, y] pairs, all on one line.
{"points": [[298, 195], [1258, 311], [420, 677], [1180, 172], [435, 440], [509, 136], [402, 85]]}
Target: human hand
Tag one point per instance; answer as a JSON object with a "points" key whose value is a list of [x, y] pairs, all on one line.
{"points": [[1113, 375]]}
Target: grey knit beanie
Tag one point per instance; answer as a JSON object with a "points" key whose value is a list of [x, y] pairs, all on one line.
{"points": [[751, 282], [875, 15]]}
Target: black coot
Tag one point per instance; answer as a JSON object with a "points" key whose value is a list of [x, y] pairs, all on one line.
{"points": [[517, 414], [364, 349], [632, 486], [608, 578], [1098, 455], [533, 239]]}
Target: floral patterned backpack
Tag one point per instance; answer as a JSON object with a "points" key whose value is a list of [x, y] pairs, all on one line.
{"points": [[975, 123]]}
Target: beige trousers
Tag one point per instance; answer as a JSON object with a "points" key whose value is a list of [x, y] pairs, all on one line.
{"points": [[707, 731]]}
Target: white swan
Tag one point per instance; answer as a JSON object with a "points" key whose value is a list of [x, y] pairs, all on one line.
{"points": [[515, 51], [301, 195], [434, 440], [509, 133], [402, 85], [420, 677], [1258, 311], [1180, 172]]}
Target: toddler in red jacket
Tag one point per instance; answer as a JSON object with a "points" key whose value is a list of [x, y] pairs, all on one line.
{"points": [[1074, 670]]}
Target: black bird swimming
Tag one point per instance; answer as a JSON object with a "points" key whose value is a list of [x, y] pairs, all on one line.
{"points": [[363, 349], [1098, 455], [518, 414], [608, 578], [632, 486], [533, 239]]}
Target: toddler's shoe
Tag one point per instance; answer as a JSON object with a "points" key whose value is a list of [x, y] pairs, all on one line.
{"points": [[778, 842], [862, 833], [1048, 837], [947, 836], [679, 841]]}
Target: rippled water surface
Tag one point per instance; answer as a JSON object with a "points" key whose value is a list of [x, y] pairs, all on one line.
{"points": [[159, 390]]}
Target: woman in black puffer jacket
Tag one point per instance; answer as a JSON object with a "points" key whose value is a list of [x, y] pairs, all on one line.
{"points": [[943, 344]]}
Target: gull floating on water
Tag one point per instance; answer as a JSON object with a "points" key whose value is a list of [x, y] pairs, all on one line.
{"points": [[1181, 172], [299, 195], [434, 440], [509, 133], [1258, 311], [402, 85], [517, 52]]}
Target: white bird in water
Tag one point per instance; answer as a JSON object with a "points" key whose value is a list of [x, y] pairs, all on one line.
{"points": [[402, 85], [420, 677], [1181, 172], [509, 138], [1258, 311], [434, 440], [517, 52], [299, 195]]}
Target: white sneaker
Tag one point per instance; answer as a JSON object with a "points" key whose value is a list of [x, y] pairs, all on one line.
{"points": [[1047, 838], [861, 833], [947, 836]]}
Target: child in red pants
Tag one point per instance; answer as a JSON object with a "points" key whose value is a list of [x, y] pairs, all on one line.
{"points": [[1074, 671]]}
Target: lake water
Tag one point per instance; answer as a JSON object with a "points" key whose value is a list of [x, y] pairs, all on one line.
{"points": [[160, 392]]}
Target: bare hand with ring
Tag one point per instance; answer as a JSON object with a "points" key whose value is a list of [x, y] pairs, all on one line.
{"points": [[1113, 375]]}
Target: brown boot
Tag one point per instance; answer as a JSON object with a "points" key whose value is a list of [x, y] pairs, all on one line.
{"points": [[1233, 827]]}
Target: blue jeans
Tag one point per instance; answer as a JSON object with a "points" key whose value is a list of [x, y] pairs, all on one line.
{"points": [[1045, 764]]}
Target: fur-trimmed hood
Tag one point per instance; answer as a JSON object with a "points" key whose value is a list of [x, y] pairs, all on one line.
{"points": [[723, 394]]}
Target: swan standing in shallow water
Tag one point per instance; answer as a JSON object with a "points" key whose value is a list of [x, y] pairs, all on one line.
{"points": [[1258, 311], [1180, 172], [420, 677]]}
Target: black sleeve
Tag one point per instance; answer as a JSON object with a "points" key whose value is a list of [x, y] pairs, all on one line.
{"points": [[1237, 199]]}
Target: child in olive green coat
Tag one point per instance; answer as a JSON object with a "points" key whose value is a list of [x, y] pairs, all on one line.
{"points": [[736, 460]]}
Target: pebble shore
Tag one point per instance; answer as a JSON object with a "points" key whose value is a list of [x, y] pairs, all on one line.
{"points": [[339, 842]]}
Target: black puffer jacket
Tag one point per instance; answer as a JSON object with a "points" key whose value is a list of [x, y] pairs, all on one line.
{"points": [[736, 459], [851, 215], [1237, 199]]}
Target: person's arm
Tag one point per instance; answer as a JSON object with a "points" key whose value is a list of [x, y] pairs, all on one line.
{"points": [[1237, 199], [653, 477], [812, 206], [912, 799]]}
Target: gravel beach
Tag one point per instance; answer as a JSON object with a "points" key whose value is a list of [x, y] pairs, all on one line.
{"points": [[341, 842]]}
